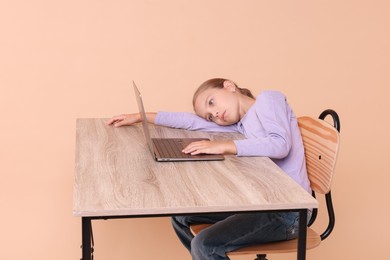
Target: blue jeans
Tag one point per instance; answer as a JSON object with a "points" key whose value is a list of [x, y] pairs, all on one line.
{"points": [[233, 231]]}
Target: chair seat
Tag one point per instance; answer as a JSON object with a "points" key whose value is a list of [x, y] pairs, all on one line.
{"points": [[313, 240]]}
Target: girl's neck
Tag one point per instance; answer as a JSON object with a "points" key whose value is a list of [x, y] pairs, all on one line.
{"points": [[245, 104]]}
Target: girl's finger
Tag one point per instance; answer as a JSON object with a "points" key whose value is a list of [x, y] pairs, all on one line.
{"points": [[114, 119]]}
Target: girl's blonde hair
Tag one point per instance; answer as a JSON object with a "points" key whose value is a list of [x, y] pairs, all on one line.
{"points": [[218, 83]]}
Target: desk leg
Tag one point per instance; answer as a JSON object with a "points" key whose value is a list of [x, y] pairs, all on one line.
{"points": [[86, 238], [302, 234]]}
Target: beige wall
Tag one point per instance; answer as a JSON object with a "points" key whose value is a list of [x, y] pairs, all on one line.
{"points": [[60, 60]]}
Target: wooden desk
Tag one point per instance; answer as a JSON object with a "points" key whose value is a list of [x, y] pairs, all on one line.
{"points": [[116, 177]]}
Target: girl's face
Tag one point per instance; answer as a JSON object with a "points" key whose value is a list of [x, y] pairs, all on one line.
{"points": [[219, 105]]}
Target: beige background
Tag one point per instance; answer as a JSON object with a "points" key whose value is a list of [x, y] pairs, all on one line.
{"points": [[60, 60]]}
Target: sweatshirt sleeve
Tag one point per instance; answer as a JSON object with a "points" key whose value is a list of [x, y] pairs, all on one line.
{"points": [[273, 115], [190, 121]]}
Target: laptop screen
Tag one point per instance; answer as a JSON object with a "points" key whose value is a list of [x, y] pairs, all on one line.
{"points": [[143, 118]]}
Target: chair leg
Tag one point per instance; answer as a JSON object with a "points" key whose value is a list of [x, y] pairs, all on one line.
{"points": [[261, 257]]}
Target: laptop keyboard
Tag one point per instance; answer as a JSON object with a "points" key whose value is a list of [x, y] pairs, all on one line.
{"points": [[170, 147]]}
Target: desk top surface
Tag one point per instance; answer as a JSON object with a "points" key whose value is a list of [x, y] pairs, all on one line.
{"points": [[115, 175]]}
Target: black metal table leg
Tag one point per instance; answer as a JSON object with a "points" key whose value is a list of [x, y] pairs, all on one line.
{"points": [[302, 234], [86, 238]]}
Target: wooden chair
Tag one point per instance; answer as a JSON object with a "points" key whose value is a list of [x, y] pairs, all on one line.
{"points": [[321, 142]]}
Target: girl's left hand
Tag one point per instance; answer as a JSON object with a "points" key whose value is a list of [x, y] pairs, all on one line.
{"points": [[211, 147]]}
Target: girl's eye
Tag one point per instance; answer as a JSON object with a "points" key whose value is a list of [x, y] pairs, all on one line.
{"points": [[210, 117], [211, 102]]}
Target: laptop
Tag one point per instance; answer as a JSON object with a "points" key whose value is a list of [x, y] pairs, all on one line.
{"points": [[170, 149]]}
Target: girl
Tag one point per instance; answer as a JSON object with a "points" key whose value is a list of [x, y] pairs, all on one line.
{"points": [[271, 130]]}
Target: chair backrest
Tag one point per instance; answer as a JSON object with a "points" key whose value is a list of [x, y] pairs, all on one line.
{"points": [[321, 143]]}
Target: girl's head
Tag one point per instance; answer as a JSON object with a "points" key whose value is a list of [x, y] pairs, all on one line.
{"points": [[222, 101]]}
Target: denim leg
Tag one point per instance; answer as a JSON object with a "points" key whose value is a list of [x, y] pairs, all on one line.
{"points": [[239, 230], [181, 225]]}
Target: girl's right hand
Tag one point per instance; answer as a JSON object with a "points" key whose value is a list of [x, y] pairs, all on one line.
{"points": [[124, 119]]}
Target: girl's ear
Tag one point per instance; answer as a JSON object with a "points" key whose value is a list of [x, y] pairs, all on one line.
{"points": [[229, 85]]}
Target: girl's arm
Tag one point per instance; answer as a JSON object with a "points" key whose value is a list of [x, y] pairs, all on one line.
{"points": [[129, 119], [182, 120], [190, 121]]}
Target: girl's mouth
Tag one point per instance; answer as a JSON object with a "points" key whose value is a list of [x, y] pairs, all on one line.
{"points": [[223, 116]]}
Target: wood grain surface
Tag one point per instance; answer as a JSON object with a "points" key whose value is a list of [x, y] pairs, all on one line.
{"points": [[321, 142], [116, 175]]}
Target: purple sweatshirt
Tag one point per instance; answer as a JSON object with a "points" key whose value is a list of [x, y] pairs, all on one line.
{"points": [[270, 128]]}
